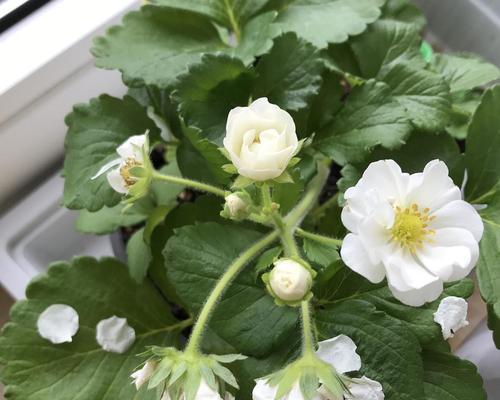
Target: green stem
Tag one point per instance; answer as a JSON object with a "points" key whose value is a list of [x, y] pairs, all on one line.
{"points": [[295, 217], [308, 338], [318, 238], [204, 187], [319, 211], [288, 241], [214, 297]]}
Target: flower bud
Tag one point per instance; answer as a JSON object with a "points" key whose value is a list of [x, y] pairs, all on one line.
{"points": [[237, 206], [142, 375], [289, 280]]}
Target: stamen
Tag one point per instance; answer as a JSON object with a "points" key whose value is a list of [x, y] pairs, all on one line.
{"points": [[410, 229]]}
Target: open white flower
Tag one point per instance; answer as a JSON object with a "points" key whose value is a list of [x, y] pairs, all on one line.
{"points": [[415, 229], [289, 280], [142, 375], [340, 353], [260, 139], [131, 154], [451, 315]]}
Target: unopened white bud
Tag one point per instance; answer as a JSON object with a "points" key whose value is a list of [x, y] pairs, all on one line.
{"points": [[290, 280], [236, 208]]}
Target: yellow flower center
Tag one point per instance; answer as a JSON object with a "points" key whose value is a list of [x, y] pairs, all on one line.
{"points": [[125, 171], [410, 229]]}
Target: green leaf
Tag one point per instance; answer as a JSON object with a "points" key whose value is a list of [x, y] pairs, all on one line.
{"points": [[385, 44], [209, 90], [95, 130], [483, 146], [419, 149], [328, 21], [369, 118], [290, 74], [223, 12], [404, 11], [323, 254], [465, 71], [446, 377], [389, 351], [246, 317], [424, 95], [138, 256], [36, 369], [464, 105], [156, 44], [108, 219], [201, 159]]}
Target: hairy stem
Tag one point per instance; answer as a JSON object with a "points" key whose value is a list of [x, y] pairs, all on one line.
{"points": [[307, 332], [214, 297], [296, 216], [204, 187], [318, 238], [320, 210]]}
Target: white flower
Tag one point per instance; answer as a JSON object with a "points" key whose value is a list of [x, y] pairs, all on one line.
{"points": [[142, 375], [236, 206], [289, 280], [131, 155], [413, 229], [115, 335], [260, 139], [451, 315], [58, 323], [204, 392], [340, 353]]}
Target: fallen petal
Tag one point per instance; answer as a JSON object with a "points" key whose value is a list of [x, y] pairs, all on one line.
{"points": [[451, 315], [115, 335], [58, 323]]}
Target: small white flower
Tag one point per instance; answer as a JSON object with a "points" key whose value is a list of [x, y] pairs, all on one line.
{"points": [[413, 229], [260, 139], [131, 155], [142, 375], [115, 335], [340, 353], [451, 315], [58, 323], [290, 280]]}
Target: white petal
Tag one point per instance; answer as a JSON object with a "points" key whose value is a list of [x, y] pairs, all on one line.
{"points": [[142, 375], [458, 214], [356, 257], [386, 176], [115, 335], [205, 392], [106, 167], [340, 352], [432, 188], [58, 323], [132, 148], [409, 281], [263, 391], [452, 254], [365, 389], [451, 315], [116, 181]]}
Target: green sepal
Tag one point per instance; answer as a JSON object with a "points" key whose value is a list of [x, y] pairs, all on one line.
{"points": [[241, 182], [285, 177], [230, 169]]}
